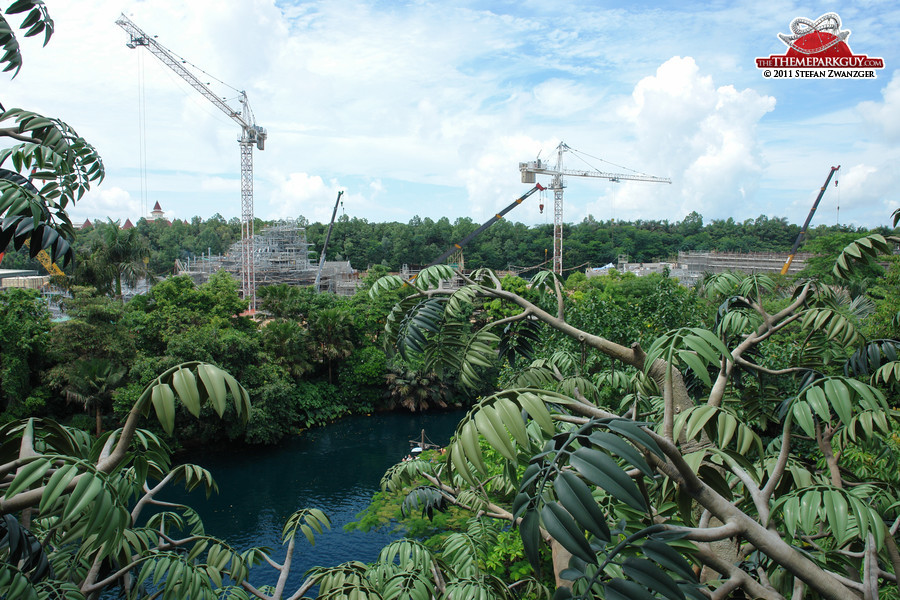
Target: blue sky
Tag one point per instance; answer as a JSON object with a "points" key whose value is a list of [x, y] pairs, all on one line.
{"points": [[426, 108]]}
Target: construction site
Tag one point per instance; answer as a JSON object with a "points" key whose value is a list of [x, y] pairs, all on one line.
{"points": [[281, 254], [690, 267]]}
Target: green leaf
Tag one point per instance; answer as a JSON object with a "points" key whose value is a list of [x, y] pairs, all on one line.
{"points": [[185, 384], [560, 525], [836, 511], [618, 446], [662, 554], [87, 488], [840, 399], [602, 471], [803, 416], [163, 400], [57, 485], [529, 530], [26, 475], [622, 589], [696, 364], [214, 383], [491, 427], [649, 575], [576, 498], [700, 416], [810, 502]]}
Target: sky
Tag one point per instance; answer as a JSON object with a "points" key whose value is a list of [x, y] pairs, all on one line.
{"points": [[427, 107]]}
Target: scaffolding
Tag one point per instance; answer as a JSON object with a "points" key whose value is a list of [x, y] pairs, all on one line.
{"points": [[282, 255], [692, 266]]}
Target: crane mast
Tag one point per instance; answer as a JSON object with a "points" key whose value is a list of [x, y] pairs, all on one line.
{"points": [[537, 167], [251, 135]]}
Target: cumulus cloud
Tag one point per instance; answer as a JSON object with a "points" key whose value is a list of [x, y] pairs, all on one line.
{"points": [[884, 117], [303, 194], [866, 188], [705, 135], [489, 193], [437, 103], [109, 202]]}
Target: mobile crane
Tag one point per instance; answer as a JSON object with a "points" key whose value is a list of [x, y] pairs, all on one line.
{"points": [[812, 211]]}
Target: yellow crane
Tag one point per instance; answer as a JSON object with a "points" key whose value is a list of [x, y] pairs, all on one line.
{"points": [[44, 258]]}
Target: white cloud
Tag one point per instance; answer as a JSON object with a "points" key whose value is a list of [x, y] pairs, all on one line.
{"points": [[864, 189], [108, 202], [705, 135], [420, 94], [884, 117], [301, 193]]}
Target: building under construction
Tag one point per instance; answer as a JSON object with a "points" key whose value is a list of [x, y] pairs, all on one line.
{"points": [[692, 266], [282, 255]]}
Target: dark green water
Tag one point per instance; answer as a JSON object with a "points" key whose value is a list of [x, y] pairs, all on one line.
{"points": [[335, 469]]}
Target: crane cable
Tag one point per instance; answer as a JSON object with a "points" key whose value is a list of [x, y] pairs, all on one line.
{"points": [[578, 154], [189, 63], [142, 134]]}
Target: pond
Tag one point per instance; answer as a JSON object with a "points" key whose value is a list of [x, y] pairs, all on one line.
{"points": [[335, 468]]}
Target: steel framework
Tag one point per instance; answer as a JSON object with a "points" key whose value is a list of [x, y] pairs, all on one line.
{"points": [[251, 135], [557, 184]]}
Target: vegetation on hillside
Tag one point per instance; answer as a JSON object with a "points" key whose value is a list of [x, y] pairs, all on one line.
{"points": [[627, 438]]}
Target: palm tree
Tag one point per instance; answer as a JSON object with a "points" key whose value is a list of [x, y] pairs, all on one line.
{"points": [[117, 255], [91, 383], [286, 344], [331, 329], [414, 390]]}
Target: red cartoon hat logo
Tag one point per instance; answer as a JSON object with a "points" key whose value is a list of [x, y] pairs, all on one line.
{"points": [[818, 49], [822, 36]]}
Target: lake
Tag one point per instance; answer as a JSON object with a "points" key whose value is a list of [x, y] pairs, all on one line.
{"points": [[335, 468]]}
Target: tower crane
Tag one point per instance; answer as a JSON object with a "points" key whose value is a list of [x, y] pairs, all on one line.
{"points": [[537, 167], [251, 135]]}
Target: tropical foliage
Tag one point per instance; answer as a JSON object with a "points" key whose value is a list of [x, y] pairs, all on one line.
{"points": [[717, 453], [45, 150]]}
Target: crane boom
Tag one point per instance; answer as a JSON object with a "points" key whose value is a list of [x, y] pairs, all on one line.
{"points": [[327, 238], [459, 245], [537, 167], [812, 211], [251, 135]]}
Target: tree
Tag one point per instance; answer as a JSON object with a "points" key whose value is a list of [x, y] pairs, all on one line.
{"points": [[330, 333], [92, 384], [414, 390], [24, 325], [682, 467], [69, 524], [117, 255], [44, 149]]}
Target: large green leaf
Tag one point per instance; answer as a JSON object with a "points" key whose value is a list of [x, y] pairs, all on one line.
{"points": [[564, 530], [602, 471], [863, 251], [577, 499]]}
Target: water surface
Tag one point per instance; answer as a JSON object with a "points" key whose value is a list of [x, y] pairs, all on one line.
{"points": [[335, 468]]}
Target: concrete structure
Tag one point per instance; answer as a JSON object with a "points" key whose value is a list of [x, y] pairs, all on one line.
{"points": [[691, 266], [13, 274]]}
